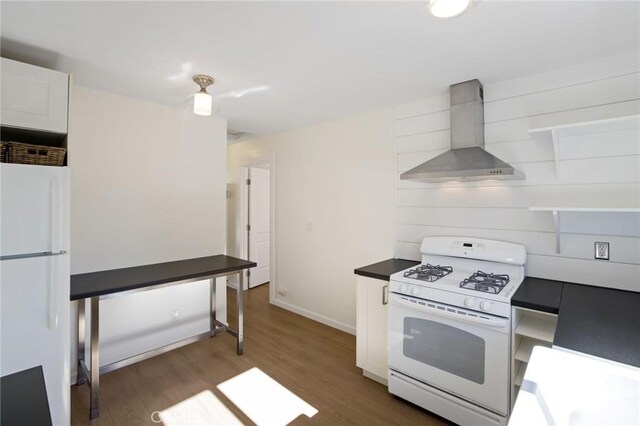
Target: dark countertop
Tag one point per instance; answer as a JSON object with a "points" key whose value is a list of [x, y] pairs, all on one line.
{"points": [[539, 294], [600, 321], [118, 280], [383, 270], [23, 399]]}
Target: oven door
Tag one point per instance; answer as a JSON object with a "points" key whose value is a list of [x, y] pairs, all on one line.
{"points": [[461, 352]]}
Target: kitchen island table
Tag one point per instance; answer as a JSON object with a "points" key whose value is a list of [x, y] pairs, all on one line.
{"points": [[94, 286]]}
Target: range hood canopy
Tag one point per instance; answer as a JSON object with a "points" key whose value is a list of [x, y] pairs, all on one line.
{"points": [[467, 159]]}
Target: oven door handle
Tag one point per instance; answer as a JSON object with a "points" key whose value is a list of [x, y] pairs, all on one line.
{"points": [[442, 311]]}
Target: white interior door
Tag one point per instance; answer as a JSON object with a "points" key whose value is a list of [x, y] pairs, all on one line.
{"points": [[259, 210]]}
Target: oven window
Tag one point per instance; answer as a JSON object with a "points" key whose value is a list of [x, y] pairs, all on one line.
{"points": [[445, 347]]}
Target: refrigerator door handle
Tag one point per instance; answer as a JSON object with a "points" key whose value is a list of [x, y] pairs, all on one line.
{"points": [[31, 255], [56, 215], [55, 248], [53, 293]]}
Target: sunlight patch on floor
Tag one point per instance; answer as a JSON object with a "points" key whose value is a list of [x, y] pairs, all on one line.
{"points": [[263, 400], [201, 409]]}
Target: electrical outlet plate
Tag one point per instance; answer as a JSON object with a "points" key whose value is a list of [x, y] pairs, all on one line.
{"points": [[601, 250]]}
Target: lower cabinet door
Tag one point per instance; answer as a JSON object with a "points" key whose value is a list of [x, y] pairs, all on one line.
{"points": [[371, 325]]}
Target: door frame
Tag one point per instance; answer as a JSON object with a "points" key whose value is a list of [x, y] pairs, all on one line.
{"points": [[258, 159]]}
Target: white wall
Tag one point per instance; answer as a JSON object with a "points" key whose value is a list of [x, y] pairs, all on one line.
{"points": [[335, 177], [335, 209], [603, 89], [147, 185]]}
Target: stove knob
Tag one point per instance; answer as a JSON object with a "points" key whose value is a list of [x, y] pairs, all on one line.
{"points": [[485, 305], [404, 288], [469, 302], [415, 291]]}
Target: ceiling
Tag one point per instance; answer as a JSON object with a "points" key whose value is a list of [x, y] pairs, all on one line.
{"points": [[282, 65]]}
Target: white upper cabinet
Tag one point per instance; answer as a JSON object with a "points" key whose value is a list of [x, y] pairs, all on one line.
{"points": [[33, 97]]}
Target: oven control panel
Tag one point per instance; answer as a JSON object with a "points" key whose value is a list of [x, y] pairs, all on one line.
{"points": [[479, 304], [486, 305], [467, 247], [474, 248], [412, 290], [474, 302]]}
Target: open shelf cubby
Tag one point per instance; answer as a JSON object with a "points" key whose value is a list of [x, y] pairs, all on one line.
{"points": [[529, 329]]}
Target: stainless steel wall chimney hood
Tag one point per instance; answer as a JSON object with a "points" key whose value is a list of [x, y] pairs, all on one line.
{"points": [[467, 159]]}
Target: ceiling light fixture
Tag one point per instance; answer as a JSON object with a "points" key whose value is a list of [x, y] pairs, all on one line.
{"points": [[202, 100], [447, 8]]}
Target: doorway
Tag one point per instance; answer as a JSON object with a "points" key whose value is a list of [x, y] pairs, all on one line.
{"points": [[256, 195]]}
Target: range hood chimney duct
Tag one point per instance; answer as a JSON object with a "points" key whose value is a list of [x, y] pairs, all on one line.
{"points": [[467, 159]]}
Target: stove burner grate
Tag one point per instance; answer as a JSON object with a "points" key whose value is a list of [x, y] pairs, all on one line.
{"points": [[428, 272], [487, 283]]}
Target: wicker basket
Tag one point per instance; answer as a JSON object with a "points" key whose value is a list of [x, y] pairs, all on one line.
{"points": [[24, 153]]}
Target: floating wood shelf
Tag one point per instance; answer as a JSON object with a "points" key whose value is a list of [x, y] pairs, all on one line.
{"points": [[557, 133], [620, 198], [612, 198], [588, 209]]}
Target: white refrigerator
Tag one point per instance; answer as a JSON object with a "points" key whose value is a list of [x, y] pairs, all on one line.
{"points": [[34, 277]]}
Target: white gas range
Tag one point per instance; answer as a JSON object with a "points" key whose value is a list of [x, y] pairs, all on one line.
{"points": [[450, 328]]}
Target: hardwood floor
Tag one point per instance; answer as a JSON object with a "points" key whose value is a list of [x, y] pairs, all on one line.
{"points": [[314, 361]]}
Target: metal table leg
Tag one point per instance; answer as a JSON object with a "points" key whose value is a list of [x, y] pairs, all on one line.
{"points": [[82, 378], [239, 300], [95, 358], [213, 325]]}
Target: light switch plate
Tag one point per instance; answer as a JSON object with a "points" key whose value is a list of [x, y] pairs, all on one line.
{"points": [[601, 250]]}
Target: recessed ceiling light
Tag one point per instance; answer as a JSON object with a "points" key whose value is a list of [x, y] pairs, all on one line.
{"points": [[447, 8]]}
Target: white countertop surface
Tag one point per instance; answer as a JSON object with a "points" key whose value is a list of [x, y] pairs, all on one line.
{"points": [[568, 388]]}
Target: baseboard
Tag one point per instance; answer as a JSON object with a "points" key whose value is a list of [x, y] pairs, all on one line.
{"points": [[375, 377], [316, 317]]}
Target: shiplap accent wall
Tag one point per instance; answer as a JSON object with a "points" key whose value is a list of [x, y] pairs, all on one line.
{"points": [[500, 210]]}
